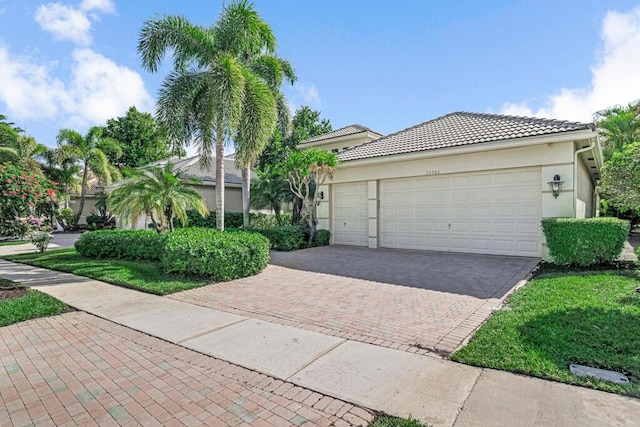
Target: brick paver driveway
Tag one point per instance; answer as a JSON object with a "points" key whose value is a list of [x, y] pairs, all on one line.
{"points": [[78, 369], [416, 301]]}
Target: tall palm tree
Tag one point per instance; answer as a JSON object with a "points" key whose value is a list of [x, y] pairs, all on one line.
{"points": [[203, 98], [261, 113], [160, 193], [23, 150], [90, 151]]}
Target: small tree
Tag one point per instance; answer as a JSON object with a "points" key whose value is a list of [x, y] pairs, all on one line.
{"points": [[160, 193], [270, 190], [621, 178], [307, 170]]}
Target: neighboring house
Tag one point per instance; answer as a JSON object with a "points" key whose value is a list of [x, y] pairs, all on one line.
{"points": [[190, 168], [464, 182], [342, 139]]}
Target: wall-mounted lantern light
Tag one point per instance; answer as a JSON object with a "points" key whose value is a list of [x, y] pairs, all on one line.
{"points": [[555, 185], [322, 195]]}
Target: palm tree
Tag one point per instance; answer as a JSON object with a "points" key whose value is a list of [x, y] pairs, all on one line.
{"points": [[90, 152], [261, 113], [618, 127], [203, 98], [271, 190], [22, 150], [160, 193]]}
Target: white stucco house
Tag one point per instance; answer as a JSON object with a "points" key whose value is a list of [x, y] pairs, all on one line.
{"points": [[463, 182]]}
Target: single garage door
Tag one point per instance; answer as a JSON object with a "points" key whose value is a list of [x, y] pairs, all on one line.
{"points": [[350, 215], [492, 212]]}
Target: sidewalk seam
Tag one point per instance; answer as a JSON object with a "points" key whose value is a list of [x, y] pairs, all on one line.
{"points": [[316, 358], [209, 331], [467, 398]]}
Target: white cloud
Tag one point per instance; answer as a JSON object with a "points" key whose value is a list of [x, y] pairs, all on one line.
{"points": [[102, 89], [97, 89], [69, 23], [615, 77], [104, 6], [309, 94], [64, 23], [29, 87]]}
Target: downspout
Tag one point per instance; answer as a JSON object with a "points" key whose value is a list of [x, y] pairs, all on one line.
{"points": [[575, 174]]}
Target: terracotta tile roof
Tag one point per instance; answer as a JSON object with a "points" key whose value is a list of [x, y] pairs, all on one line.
{"points": [[345, 131], [457, 129]]}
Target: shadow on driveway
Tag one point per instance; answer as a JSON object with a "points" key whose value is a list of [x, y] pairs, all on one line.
{"points": [[480, 276]]}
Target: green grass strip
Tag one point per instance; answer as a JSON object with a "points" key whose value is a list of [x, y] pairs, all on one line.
{"points": [[141, 275], [32, 305], [590, 319]]}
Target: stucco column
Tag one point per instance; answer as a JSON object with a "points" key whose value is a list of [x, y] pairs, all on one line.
{"points": [[323, 208], [373, 214]]}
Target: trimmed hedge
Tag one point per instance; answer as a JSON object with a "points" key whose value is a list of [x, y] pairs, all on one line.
{"points": [[121, 244], [231, 220], [262, 221], [585, 241], [285, 238], [322, 237], [210, 253]]}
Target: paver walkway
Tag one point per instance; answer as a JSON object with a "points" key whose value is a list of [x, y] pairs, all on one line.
{"points": [[408, 300], [78, 369]]}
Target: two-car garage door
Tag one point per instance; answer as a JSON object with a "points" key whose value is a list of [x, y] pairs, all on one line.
{"points": [[493, 212]]}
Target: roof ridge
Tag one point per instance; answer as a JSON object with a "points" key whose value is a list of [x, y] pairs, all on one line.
{"points": [[527, 118]]}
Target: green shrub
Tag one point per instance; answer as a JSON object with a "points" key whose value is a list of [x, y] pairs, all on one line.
{"points": [[121, 244], [210, 253], [585, 241], [263, 221], [231, 220], [322, 238], [285, 238]]}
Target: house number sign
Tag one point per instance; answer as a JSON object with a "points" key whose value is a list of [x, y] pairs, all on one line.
{"points": [[433, 172]]}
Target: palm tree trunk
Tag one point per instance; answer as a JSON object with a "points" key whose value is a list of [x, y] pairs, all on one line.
{"points": [[219, 176], [83, 191], [246, 189]]}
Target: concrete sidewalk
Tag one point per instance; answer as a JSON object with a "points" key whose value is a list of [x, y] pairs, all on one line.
{"points": [[440, 392]]}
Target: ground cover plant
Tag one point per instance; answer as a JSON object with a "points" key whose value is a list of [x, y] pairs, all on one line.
{"points": [[389, 421], [587, 318], [18, 303], [146, 276]]}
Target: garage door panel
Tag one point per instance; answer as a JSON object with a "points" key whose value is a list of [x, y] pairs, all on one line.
{"points": [[483, 212], [351, 214]]}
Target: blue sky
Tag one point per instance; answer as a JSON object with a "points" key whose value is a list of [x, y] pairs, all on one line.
{"points": [[387, 65]]}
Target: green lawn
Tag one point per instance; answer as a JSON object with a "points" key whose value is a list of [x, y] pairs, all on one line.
{"points": [[13, 242], [141, 275], [32, 305], [586, 318]]}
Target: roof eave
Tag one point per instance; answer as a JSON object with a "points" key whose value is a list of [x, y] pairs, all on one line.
{"points": [[576, 135], [342, 138]]}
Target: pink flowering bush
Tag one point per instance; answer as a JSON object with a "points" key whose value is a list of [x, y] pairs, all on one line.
{"points": [[21, 192]]}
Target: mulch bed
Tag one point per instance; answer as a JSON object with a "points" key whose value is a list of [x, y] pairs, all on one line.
{"points": [[8, 292]]}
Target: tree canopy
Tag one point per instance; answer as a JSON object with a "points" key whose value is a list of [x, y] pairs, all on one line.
{"points": [[306, 123], [621, 178], [619, 126], [141, 138]]}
